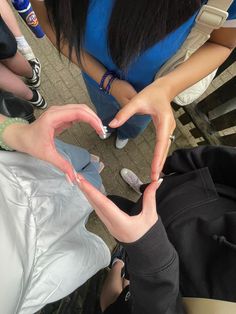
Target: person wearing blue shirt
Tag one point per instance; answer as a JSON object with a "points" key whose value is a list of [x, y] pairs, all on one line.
{"points": [[133, 39]]}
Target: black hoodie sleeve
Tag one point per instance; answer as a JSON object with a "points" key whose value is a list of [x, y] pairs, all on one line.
{"points": [[220, 161], [153, 268]]}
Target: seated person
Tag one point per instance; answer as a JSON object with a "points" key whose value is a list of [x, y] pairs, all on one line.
{"points": [[46, 251], [180, 241]]}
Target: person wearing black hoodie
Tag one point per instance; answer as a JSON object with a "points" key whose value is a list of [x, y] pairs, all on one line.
{"points": [[181, 243]]}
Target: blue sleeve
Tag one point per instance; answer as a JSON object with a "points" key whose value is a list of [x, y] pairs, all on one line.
{"points": [[232, 11]]}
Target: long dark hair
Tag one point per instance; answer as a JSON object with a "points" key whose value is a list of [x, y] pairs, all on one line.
{"points": [[134, 26]]}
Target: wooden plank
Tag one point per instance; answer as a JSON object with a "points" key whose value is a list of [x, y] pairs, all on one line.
{"points": [[185, 118], [196, 133], [223, 109], [218, 97], [229, 140], [224, 122], [201, 121]]}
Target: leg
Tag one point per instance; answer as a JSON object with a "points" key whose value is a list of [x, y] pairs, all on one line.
{"points": [[19, 65], [9, 18], [112, 286], [12, 83]]}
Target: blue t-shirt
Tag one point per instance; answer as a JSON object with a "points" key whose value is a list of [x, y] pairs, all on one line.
{"points": [[143, 70]]}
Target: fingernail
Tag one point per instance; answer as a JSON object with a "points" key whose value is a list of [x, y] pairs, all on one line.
{"points": [[78, 180], [160, 181], [113, 123], [69, 180]]}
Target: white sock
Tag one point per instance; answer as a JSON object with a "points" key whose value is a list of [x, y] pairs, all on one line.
{"points": [[22, 42], [24, 48]]}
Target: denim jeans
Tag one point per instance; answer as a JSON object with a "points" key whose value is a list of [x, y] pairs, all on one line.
{"points": [[81, 161], [107, 107]]}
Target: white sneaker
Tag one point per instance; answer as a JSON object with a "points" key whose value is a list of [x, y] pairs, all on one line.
{"points": [[104, 137], [121, 143], [131, 179]]}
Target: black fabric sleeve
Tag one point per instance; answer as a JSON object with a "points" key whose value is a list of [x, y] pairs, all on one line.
{"points": [[220, 161], [154, 273], [8, 46]]}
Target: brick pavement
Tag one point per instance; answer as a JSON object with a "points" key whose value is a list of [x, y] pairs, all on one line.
{"points": [[62, 83]]}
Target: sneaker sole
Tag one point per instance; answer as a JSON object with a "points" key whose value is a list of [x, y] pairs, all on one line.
{"points": [[39, 106], [39, 75], [34, 86], [122, 146]]}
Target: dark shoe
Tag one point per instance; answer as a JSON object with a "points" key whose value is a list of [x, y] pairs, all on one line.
{"points": [[38, 101], [35, 81], [14, 107], [117, 254]]}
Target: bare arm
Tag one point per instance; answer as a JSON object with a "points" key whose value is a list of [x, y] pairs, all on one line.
{"points": [[9, 18], [205, 60], [155, 99]]}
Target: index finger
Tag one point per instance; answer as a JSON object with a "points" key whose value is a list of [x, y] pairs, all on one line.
{"points": [[58, 118], [107, 211]]}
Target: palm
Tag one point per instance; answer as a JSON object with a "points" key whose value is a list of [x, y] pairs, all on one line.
{"points": [[123, 227]]}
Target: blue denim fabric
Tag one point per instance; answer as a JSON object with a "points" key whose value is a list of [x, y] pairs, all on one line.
{"points": [[107, 107], [81, 161]]}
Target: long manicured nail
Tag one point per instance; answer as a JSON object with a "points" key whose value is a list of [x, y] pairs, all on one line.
{"points": [[78, 180], [105, 129], [160, 181]]}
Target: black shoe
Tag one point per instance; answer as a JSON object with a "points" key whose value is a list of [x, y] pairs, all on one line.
{"points": [[35, 81], [118, 253], [14, 107], [38, 101]]}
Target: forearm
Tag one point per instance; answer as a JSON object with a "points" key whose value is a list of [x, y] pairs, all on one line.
{"points": [[154, 273], [204, 61], [88, 64]]}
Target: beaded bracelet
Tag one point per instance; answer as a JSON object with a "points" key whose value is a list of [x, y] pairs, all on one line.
{"points": [[4, 125], [105, 75], [108, 87]]}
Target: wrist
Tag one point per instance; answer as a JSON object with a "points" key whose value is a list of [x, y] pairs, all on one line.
{"points": [[106, 81], [113, 87], [167, 87], [13, 136]]}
